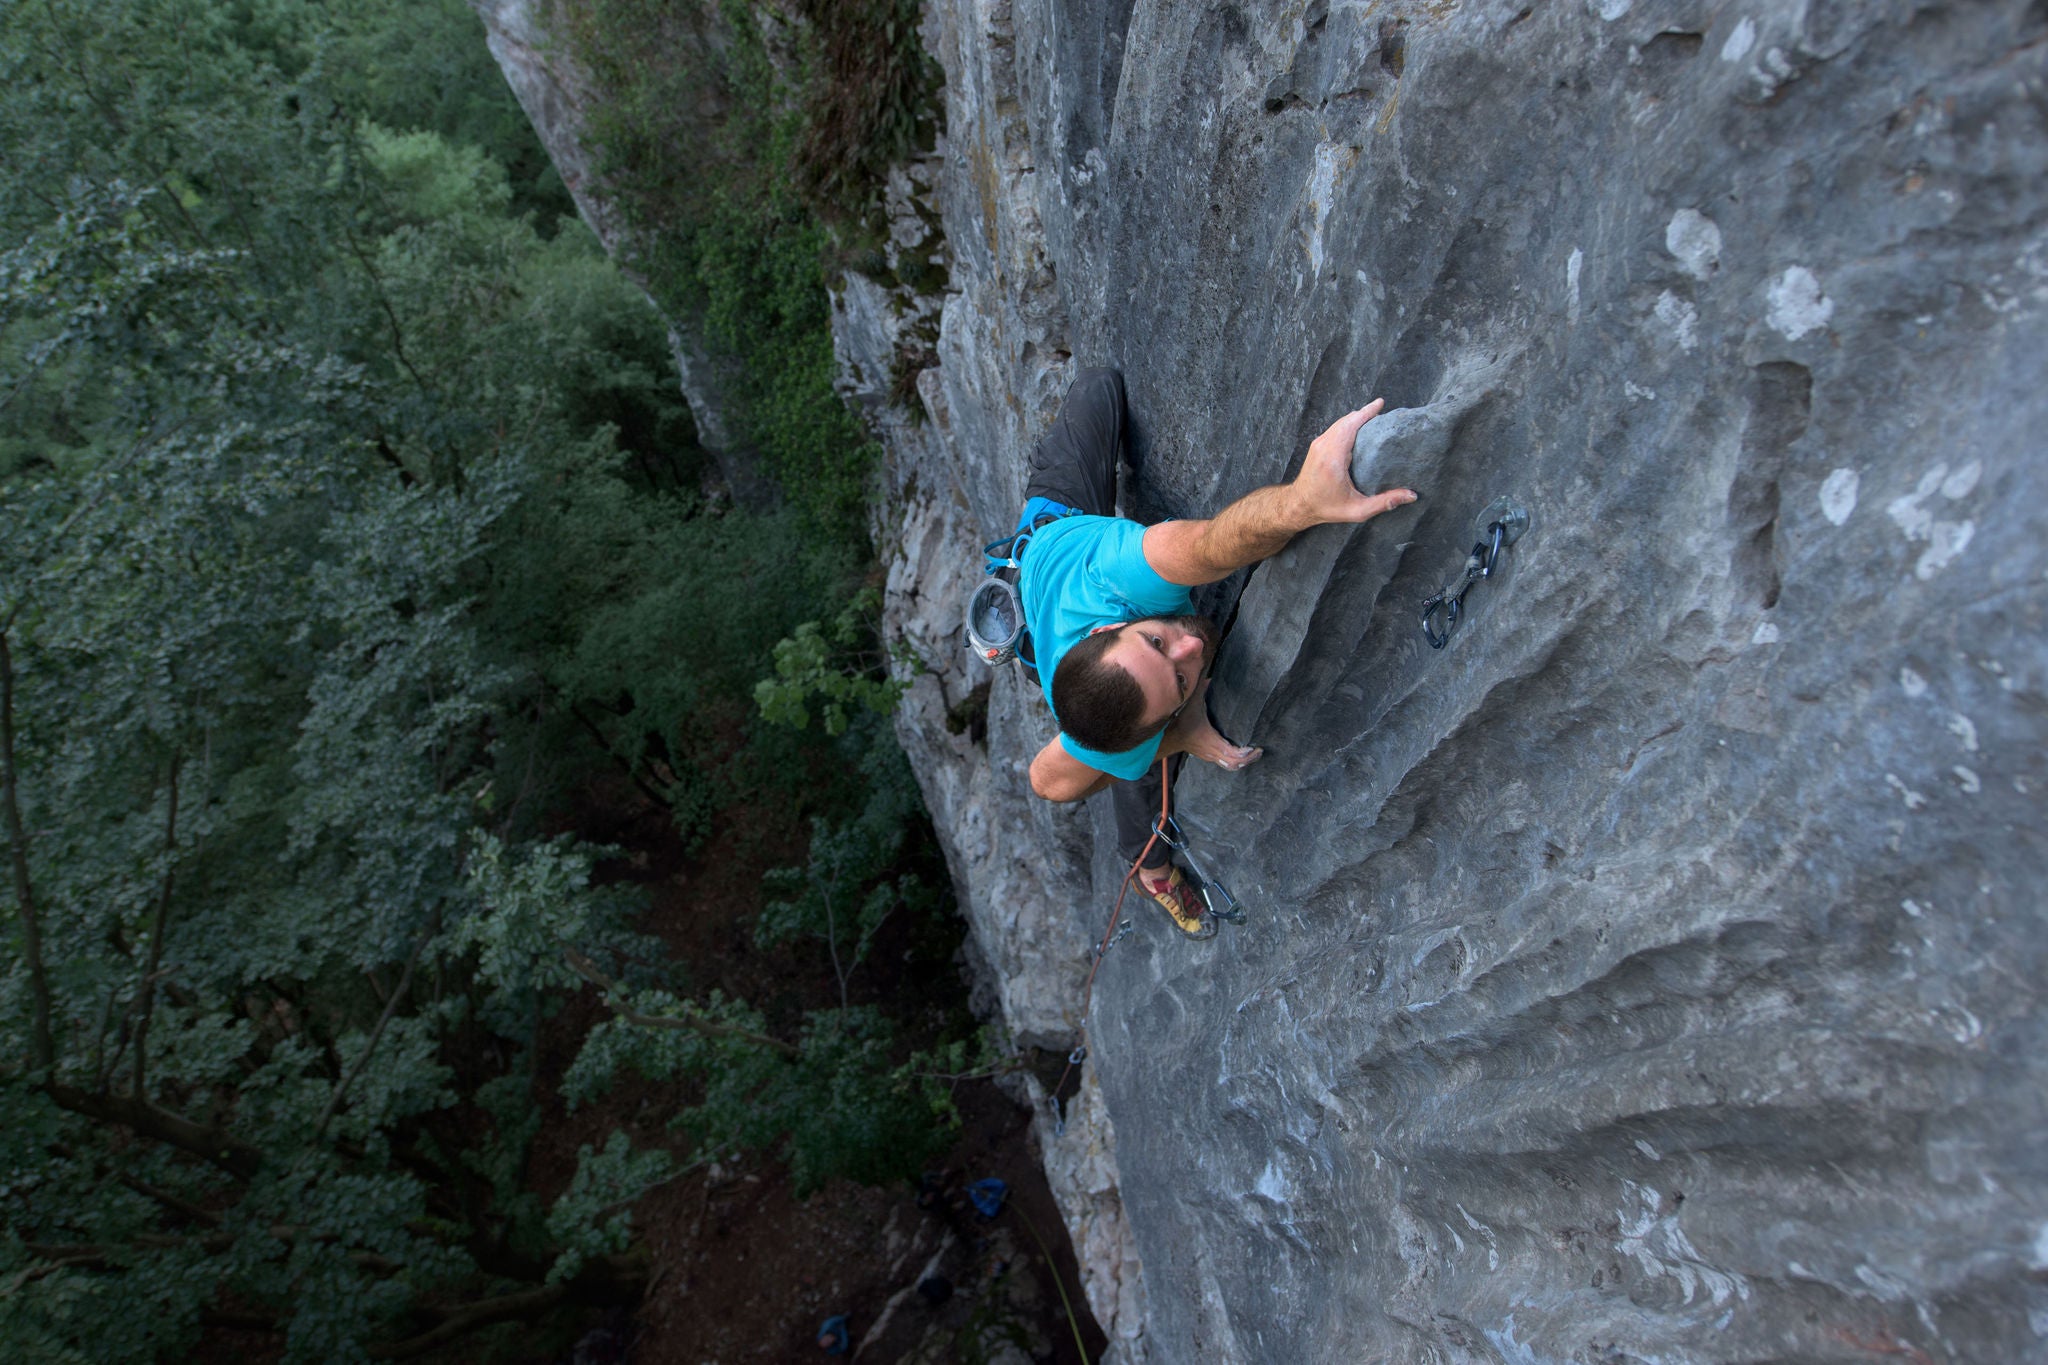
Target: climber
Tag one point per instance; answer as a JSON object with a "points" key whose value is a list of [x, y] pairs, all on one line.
{"points": [[1122, 657]]}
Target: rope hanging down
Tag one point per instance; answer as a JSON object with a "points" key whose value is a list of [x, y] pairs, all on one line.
{"points": [[1110, 934], [1499, 526], [1215, 895]]}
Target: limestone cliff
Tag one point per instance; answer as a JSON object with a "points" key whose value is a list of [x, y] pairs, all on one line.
{"points": [[1650, 973]]}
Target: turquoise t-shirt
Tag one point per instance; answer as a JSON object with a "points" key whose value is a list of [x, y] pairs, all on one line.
{"points": [[1084, 572]]}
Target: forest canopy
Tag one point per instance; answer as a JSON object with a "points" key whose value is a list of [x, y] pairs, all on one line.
{"points": [[349, 519]]}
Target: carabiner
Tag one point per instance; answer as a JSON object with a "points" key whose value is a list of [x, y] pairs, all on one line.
{"points": [[1450, 608], [1215, 894], [1230, 912]]}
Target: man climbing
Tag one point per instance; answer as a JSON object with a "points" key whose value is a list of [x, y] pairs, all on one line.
{"points": [[1122, 656]]}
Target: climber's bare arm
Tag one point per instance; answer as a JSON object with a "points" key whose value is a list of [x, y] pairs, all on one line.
{"points": [[1057, 775], [1263, 520]]}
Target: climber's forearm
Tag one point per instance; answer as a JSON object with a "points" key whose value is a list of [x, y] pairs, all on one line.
{"points": [[1057, 775], [1253, 528], [1261, 522]]}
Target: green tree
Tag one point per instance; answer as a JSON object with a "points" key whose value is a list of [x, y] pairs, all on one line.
{"points": [[241, 701], [346, 515]]}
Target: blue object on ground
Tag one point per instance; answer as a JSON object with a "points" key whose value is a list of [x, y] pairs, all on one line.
{"points": [[988, 1196], [833, 1338]]}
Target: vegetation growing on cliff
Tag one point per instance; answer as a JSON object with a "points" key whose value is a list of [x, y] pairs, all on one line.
{"points": [[745, 144], [351, 521]]}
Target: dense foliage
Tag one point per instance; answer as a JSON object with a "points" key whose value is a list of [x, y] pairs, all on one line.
{"points": [[348, 518], [745, 146]]}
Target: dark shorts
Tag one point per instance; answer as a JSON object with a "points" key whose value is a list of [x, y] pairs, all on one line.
{"points": [[1076, 465]]}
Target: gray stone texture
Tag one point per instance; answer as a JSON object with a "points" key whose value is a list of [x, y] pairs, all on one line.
{"points": [[1653, 973]]}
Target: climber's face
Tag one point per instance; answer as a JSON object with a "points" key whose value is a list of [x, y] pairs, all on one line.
{"points": [[1166, 656]]}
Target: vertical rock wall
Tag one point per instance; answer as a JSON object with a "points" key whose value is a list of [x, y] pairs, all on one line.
{"points": [[1653, 972]]}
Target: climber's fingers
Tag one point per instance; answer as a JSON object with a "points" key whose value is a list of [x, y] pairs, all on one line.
{"points": [[1387, 502], [1324, 485], [1238, 757], [1344, 431]]}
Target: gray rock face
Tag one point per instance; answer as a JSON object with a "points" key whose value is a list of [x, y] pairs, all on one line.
{"points": [[1652, 973]]}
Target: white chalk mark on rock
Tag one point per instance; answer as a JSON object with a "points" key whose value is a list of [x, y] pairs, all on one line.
{"points": [[1657, 1244], [1949, 540], [1960, 483], [1572, 265], [1766, 634], [1914, 800], [1961, 1025], [1693, 238], [1322, 194], [1886, 1287], [1796, 305], [1964, 729], [1912, 684], [1681, 317], [1968, 780], [1492, 1244], [1740, 41], [1945, 539], [1838, 495], [1515, 1352]]}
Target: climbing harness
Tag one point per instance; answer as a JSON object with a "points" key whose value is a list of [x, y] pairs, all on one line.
{"points": [[1498, 527], [995, 613]]}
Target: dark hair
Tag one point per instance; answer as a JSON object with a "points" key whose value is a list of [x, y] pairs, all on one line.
{"points": [[1098, 703]]}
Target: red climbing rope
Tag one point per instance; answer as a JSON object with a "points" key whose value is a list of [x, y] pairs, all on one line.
{"points": [[1088, 992]]}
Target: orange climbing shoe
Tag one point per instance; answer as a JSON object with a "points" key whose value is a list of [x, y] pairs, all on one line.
{"points": [[1181, 903]]}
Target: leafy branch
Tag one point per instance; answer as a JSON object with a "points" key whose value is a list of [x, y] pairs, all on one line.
{"points": [[690, 1020], [833, 662]]}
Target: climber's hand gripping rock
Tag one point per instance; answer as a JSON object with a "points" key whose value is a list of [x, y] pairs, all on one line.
{"points": [[1203, 550], [1323, 489]]}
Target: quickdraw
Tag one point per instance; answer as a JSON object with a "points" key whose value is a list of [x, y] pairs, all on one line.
{"points": [[1215, 894], [1123, 931], [1499, 526]]}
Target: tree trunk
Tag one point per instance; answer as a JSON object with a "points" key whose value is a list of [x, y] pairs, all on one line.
{"points": [[44, 1041]]}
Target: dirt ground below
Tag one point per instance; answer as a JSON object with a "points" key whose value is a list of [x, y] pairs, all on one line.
{"points": [[746, 1272], [741, 1269]]}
